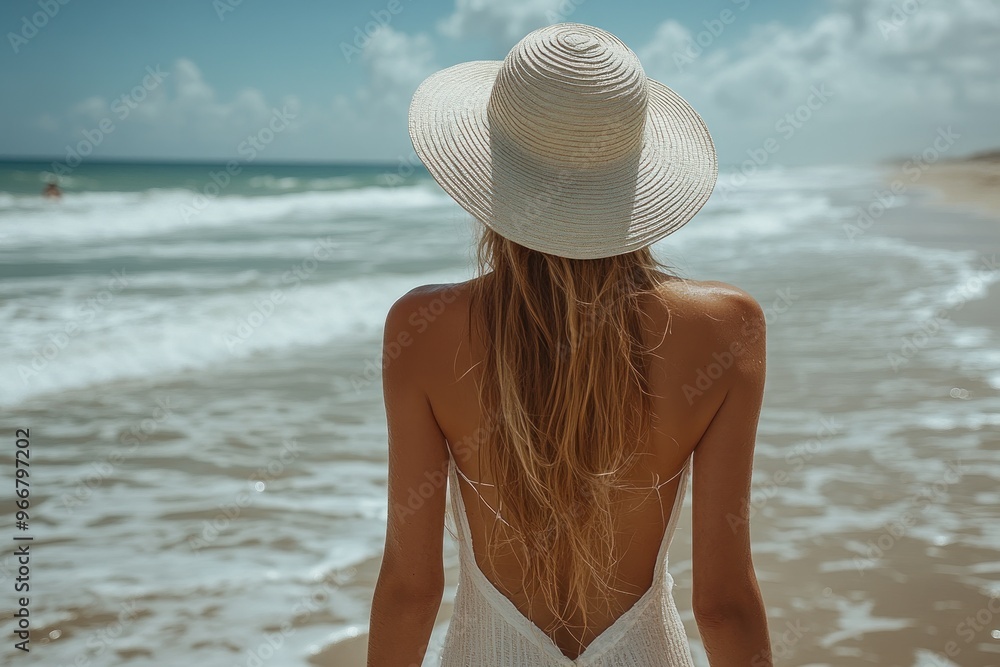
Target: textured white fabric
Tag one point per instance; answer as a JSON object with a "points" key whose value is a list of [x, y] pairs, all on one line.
{"points": [[487, 630]]}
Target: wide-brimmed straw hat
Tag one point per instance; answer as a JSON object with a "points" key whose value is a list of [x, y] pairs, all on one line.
{"points": [[565, 146]]}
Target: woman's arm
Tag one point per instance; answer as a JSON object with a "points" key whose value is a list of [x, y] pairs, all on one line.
{"points": [[411, 579], [727, 602]]}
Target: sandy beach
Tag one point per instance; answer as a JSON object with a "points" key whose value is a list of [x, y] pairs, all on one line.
{"points": [[971, 184]]}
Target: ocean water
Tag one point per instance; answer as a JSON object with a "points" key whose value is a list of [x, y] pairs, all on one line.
{"points": [[197, 362]]}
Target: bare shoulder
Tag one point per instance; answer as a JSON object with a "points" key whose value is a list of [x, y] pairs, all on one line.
{"points": [[426, 318], [712, 299], [423, 305], [717, 313]]}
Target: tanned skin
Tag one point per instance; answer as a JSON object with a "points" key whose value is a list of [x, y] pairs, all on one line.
{"points": [[431, 405]]}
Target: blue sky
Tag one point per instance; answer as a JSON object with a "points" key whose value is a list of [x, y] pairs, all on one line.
{"points": [[895, 72]]}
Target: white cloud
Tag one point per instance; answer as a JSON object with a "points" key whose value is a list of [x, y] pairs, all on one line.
{"points": [[47, 122], [182, 99], [892, 73], [190, 86], [669, 42], [395, 63], [92, 109], [370, 122], [504, 22], [176, 111], [188, 101]]}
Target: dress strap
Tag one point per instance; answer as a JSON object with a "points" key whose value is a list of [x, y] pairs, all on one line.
{"points": [[475, 484], [679, 498], [675, 512]]}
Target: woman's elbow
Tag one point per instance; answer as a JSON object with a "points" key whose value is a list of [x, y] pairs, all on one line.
{"points": [[724, 612], [730, 604], [403, 586]]}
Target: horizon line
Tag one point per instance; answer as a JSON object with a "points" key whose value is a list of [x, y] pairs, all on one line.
{"points": [[209, 161]]}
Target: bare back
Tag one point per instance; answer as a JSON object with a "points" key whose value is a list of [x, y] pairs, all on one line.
{"points": [[691, 336]]}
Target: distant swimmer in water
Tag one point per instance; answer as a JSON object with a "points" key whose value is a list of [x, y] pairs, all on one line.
{"points": [[52, 191]]}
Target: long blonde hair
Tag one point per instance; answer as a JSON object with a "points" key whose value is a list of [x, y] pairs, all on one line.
{"points": [[565, 399]]}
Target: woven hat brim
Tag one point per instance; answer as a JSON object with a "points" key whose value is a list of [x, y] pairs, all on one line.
{"points": [[580, 214]]}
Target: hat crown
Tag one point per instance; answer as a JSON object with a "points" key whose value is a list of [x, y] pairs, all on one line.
{"points": [[570, 95]]}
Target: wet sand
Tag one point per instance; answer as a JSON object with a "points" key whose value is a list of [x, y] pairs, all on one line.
{"points": [[965, 194]]}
